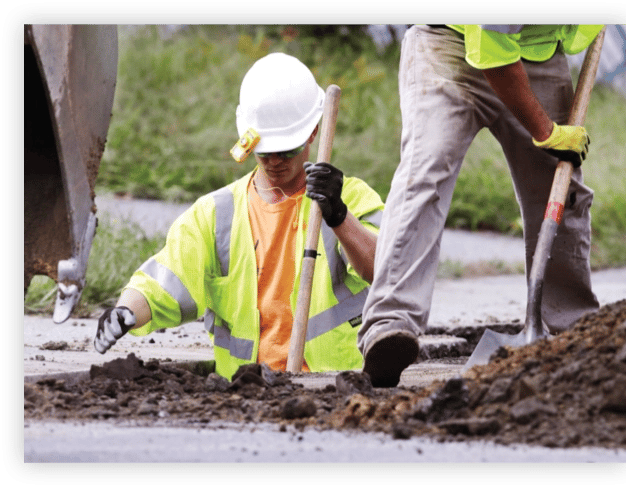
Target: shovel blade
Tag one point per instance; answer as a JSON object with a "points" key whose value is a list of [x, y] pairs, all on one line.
{"points": [[489, 343]]}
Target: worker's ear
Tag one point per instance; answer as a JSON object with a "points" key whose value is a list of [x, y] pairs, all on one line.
{"points": [[313, 134]]}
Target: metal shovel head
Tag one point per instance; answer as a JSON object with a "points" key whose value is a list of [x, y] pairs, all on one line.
{"points": [[533, 329], [489, 343]]}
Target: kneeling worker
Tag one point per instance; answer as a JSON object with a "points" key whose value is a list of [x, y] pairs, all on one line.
{"points": [[235, 255]]}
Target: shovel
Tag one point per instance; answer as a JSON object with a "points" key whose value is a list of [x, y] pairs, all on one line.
{"points": [[301, 319], [533, 327]]}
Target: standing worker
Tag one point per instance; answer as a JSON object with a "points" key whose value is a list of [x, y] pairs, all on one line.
{"points": [[454, 81], [235, 255]]}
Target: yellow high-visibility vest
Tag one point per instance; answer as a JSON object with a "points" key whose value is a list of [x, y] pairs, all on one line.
{"points": [[208, 267], [491, 46]]}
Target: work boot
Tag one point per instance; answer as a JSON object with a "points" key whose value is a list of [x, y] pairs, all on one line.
{"points": [[388, 354]]}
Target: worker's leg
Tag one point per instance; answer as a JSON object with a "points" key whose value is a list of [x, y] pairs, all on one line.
{"points": [[567, 290], [437, 127]]}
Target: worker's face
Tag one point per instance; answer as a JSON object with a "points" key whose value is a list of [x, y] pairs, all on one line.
{"points": [[286, 172]]}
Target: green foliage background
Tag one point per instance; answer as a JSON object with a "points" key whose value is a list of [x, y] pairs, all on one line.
{"points": [[173, 125]]}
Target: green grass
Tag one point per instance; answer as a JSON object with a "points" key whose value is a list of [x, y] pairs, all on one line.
{"points": [[173, 120], [495, 207], [173, 125], [604, 173]]}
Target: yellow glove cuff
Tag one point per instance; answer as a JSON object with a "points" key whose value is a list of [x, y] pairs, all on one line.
{"points": [[565, 137]]}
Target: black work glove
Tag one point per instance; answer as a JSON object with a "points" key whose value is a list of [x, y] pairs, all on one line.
{"points": [[113, 325], [323, 184]]}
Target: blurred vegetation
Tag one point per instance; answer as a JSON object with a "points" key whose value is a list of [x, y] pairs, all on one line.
{"points": [[173, 120], [173, 123]]}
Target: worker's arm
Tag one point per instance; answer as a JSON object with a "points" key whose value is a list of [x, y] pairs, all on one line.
{"points": [[324, 183], [131, 311], [359, 244], [135, 301], [511, 84]]}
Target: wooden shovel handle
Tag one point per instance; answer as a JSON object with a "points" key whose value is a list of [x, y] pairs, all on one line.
{"points": [[533, 327], [564, 170], [301, 319]]}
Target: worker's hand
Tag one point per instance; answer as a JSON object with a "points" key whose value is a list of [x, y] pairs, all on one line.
{"points": [[567, 142], [113, 325], [323, 184]]}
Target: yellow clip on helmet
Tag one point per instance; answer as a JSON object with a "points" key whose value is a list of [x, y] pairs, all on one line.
{"points": [[280, 99]]}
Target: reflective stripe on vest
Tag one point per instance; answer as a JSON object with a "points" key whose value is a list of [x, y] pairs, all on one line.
{"points": [[349, 305], [375, 218], [238, 347], [224, 211], [173, 286]]}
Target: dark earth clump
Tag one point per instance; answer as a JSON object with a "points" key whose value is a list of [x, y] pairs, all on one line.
{"points": [[567, 391]]}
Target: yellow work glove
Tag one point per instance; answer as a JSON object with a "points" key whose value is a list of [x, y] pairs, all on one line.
{"points": [[567, 142]]}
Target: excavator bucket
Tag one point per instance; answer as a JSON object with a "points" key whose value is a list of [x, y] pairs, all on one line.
{"points": [[69, 84]]}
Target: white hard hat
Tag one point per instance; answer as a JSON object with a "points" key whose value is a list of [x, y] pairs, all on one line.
{"points": [[280, 99]]}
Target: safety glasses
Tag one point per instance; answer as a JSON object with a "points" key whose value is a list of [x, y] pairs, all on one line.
{"points": [[285, 154]]}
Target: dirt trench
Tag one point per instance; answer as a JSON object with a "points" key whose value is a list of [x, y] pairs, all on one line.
{"points": [[568, 391]]}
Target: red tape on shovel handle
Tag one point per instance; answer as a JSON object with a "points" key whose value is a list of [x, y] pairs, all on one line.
{"points": [[554, 211]]}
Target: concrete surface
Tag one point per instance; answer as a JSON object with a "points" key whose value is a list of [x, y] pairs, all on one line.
{"points": [[475, 302], [55, 442], [187, 343], [502, 299]]}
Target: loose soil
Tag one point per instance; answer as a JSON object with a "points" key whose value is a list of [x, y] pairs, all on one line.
{"points": [[567, 391]]}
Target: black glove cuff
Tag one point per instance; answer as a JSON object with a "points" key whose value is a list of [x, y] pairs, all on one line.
{"points": [[571, 156], [338, 216]]}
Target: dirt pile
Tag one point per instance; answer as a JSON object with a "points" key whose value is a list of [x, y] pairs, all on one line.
{"points": [[563, 392], [129, 389], [567, 391]]}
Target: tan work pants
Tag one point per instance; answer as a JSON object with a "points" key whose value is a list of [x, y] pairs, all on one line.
{"points": [[444, 103]]}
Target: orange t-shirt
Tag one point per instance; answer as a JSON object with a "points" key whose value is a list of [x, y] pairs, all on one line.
{"points": [[274, 228]]}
